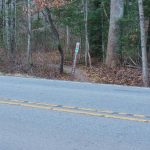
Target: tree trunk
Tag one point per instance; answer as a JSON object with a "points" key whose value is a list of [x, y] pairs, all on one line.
{"points": [[117, 9], [13, 27], [143, 44], [3, 19], [57, 38], [148, 40], [10, 27], [87, 53], [67, 39], [29, 58], [7, 27]]}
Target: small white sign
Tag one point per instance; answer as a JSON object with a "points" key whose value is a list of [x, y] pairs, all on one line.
{"points": [[77, 47]]}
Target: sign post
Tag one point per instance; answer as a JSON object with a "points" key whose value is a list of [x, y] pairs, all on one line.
{"points": [[75, 57]]}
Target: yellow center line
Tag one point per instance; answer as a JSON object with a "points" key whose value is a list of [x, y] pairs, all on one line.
{"points": [[77, 110]]}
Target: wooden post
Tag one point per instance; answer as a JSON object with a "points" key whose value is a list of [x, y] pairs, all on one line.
{"points": [[75, 58]]}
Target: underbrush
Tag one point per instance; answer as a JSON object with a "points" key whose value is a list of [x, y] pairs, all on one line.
{"points": [[119, 75], [44, 64]]}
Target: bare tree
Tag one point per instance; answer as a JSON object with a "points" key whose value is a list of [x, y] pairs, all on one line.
{"points": [[13, 27], [87, 53], [67, 38], [7, 27], [3, 17], [9, 22], [57, 38], [29, 59], [143, 44], [117, 9]]}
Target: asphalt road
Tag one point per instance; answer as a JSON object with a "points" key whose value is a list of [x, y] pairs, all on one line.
{"points": [[40, 114]]}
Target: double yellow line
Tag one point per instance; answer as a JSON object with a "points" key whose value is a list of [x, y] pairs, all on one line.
{"points": [[78, 110]]}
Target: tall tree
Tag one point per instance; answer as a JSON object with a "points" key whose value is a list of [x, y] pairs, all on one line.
{"points": [[7, 26], [87, 53], [47, 5], [29, 59], [13, 27], [67, 38], [147, 17], [56, 34], [143, 44], [116, 13], [9, 22], [2, 22]]}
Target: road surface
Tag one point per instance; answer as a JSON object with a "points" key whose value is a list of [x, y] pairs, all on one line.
{"points": [[40, 114]]}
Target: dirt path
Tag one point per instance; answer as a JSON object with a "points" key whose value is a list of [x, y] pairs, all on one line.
{"points": [[78, 76]]}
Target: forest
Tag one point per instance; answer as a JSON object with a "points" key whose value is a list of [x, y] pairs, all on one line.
{"points": [[39, 38]]}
